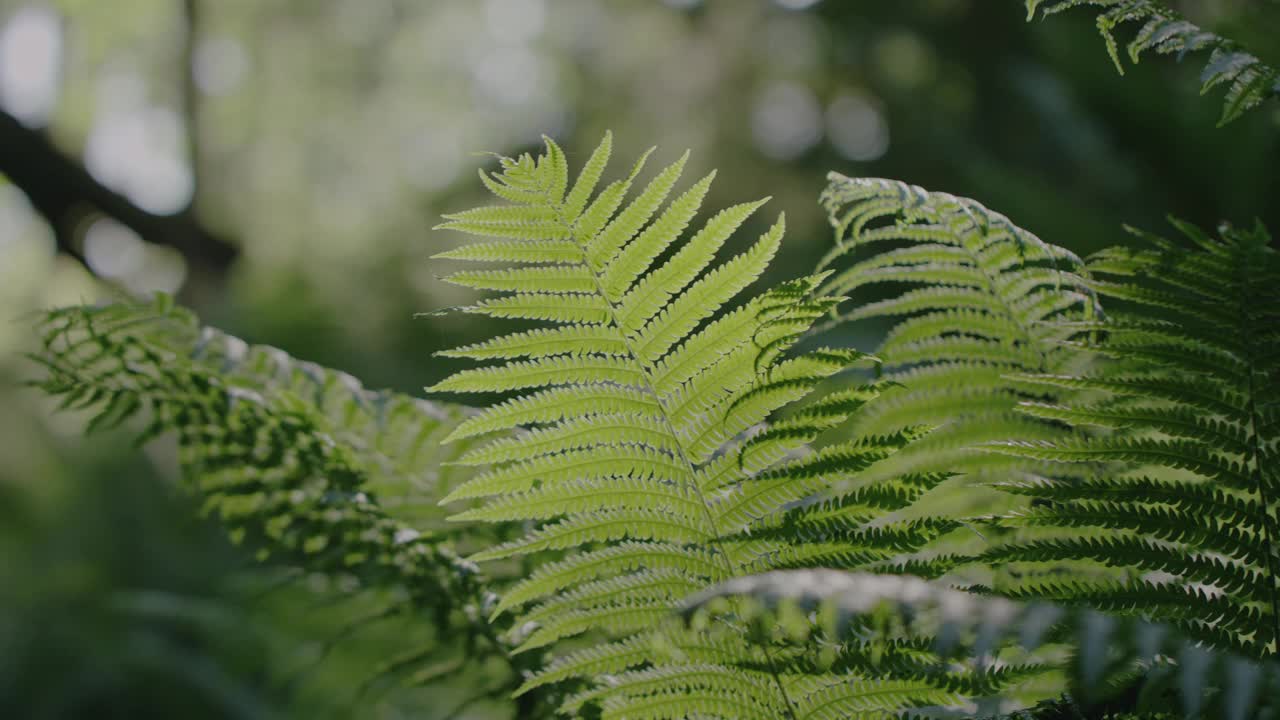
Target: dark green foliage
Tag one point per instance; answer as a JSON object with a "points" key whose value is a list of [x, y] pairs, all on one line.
{"points": [[972, 297], [979, 642], [1176, 441], [687, 507], [292, 460], [1163, 504], [664, 442], [98, 620], [1248, 80]]}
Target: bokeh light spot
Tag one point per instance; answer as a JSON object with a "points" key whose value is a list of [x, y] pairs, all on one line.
{"points": [[219, 65], [508, 75], [112, 250], [138, 152], [786, 121], [797, 4], [515, 20], [30, 63], [857, 127]]}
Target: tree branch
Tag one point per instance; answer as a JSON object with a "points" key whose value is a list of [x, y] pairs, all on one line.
{"points": [[64, 192], [190, 93]]}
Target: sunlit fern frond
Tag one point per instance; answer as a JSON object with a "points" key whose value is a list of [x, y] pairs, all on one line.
{"points": [[971, 297], [1249, 81], [396, 436], [1177, 443], [652, 448], [290, 458], [997, 653]]}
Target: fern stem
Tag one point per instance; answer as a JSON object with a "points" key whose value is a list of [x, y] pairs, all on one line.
{"points": [[675, 437]]}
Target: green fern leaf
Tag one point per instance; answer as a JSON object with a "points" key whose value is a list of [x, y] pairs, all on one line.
{"points": [[648, 439], [1177, 456], [1249, 81], [302, 464], [980, 298]]}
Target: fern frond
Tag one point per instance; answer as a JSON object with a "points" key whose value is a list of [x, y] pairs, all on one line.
{"points": [[108, 352], [1177, 457], [974, 297], [1248, 80], [649, 441], [302, 464]]}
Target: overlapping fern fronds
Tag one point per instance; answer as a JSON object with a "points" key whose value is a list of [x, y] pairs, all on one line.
{"points": [[1177, 443], [971, 296], [971, 638], [290, 457], [655, 463], [1249, 81]]}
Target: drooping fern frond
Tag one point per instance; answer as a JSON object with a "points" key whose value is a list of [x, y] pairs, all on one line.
{"points": [[395, 435], [1176, 442], [653, 458], [291, 458], [973, 638], [1248, 80], [971, 297]]}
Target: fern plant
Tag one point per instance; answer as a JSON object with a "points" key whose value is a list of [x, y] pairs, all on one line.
{"points": [[972, 297], [1248, 80], [293, 460], [666, 449], [1103, 657], [664, 443], [1176, 444], [648, 475], [1167, 510]]}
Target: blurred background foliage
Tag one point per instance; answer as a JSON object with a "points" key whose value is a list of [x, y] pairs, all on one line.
{"points": [[279, 165]]}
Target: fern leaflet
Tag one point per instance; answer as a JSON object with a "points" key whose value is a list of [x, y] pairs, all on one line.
{"points": [[1248, 80]]}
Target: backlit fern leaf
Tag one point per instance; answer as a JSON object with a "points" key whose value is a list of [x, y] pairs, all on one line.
{"points": [[397, 437], [291, 458], [1248, 80], [972, 297], [648, 445], [1178, 441], [989, 647]]}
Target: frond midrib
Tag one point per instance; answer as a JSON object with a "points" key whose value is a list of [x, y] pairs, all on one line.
{"points": [[648, 387]]}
